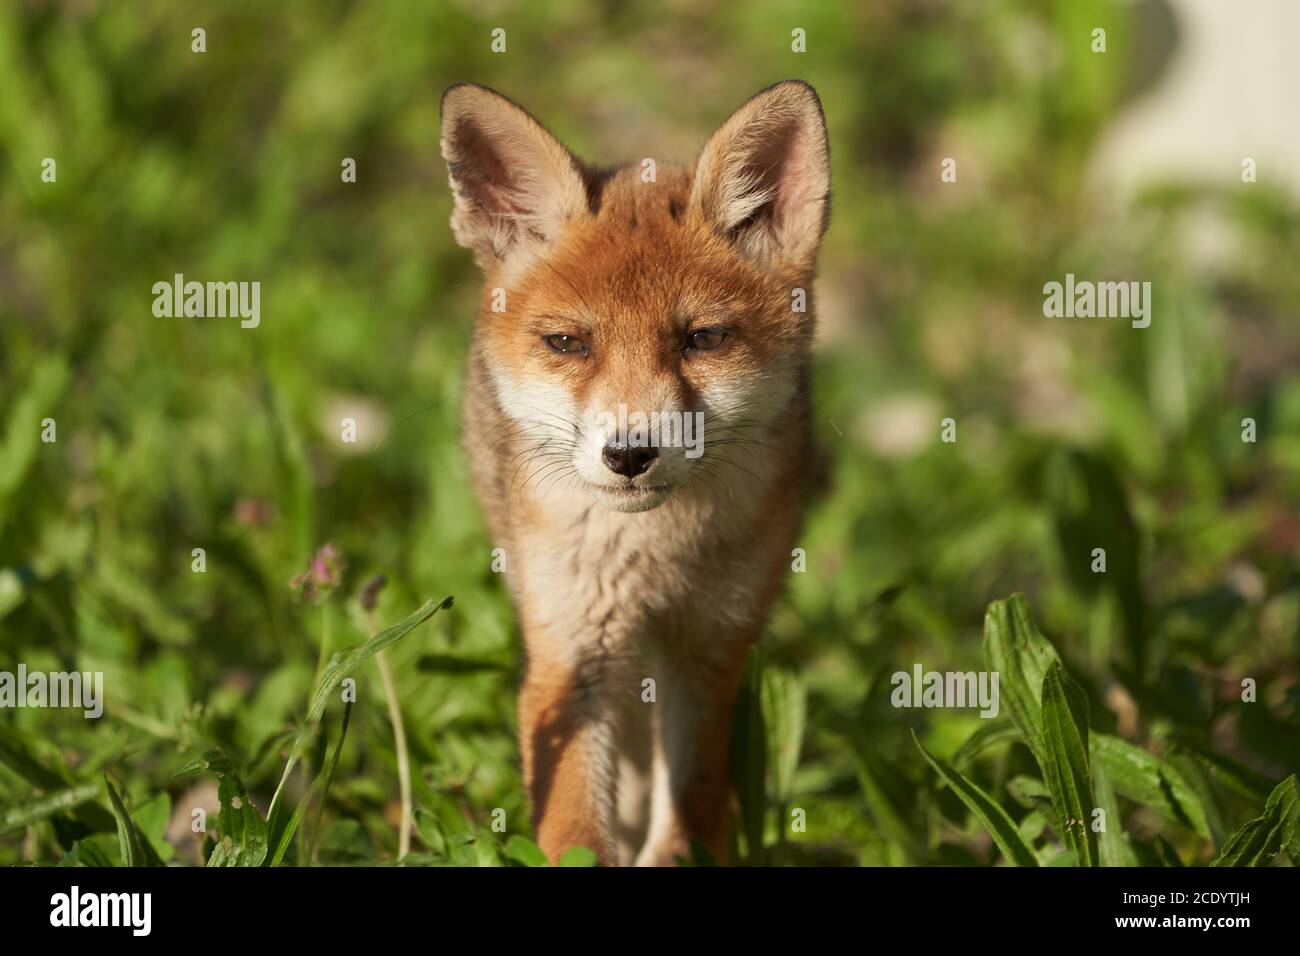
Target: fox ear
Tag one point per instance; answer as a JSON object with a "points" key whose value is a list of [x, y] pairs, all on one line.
{"points": [[514, 185], [763, 179]]}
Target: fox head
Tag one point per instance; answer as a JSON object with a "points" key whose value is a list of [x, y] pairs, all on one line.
{"points": [[643, 323]]}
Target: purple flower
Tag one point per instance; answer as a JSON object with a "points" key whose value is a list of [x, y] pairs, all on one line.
{"points": [[324, 573]]}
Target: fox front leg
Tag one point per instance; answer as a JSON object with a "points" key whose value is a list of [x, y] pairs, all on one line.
{"points": [[691, 772], [568, 727]]}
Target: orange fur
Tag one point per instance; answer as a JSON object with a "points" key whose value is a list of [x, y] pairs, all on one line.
{"points": [[678, 294]]}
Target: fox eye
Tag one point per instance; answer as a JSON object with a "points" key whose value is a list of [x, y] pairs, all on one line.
{"points": [[706, 340], [565, 344]]}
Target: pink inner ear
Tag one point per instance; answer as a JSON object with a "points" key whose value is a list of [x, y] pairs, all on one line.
{"points": [[797, 182], [779, 166], [486, 178]]}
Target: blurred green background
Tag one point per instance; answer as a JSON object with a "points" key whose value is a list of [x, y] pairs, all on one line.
{"points": [[174, 434]]}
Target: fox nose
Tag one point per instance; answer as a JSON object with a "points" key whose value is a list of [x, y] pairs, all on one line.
{"points": [[629, 462]]}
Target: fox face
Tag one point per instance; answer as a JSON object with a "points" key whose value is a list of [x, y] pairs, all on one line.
{"points": [[640, 326]]}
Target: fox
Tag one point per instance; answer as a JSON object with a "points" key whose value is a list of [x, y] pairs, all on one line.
{"points": [[641, 567]]}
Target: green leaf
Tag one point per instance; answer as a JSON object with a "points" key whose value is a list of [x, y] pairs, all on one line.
{"points": [[1155, 853], [295, 469], [339, 666], [1020, 656], [784, 712], [151, 818], [1234, 776], [1276, 829], [525, 852], [127, 587], [1030, 793], [888, 809], [749, 755], [242, 830], [1065, 736], [470, 850], [1112, 843], [986, 810], [990, 734], [1147, 779], [577, 856], [346, 842], [22, 436], [431, 832], [33, 811], [85, 853], [1090, 508], [282, 836], [16, 754], [344, 662], [13, 590], [1031, 827], [277, 817], [328, 777], [135, 849], [446, 810]]}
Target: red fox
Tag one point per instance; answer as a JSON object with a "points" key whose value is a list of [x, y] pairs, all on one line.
{"points": [[642, 561]]}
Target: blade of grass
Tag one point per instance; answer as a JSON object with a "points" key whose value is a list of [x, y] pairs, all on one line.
{"points": [[339, 666], [749, 757], [403, 758], [135, 849], [328, 776], [989, 813], [345, 662], [41, 808]]}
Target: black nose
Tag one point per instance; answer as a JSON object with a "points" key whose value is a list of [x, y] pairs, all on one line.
{"points": [[629, 462]]}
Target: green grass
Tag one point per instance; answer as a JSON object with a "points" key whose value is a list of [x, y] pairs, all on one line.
{"points": [[177, 434]]}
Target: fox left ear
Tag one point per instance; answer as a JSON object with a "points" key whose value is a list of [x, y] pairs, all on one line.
{"points": [[763, 179], [515, 186]]}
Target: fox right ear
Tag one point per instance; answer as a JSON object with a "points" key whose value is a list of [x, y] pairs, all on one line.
{"points": [[763, 179], [514, 185]]}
